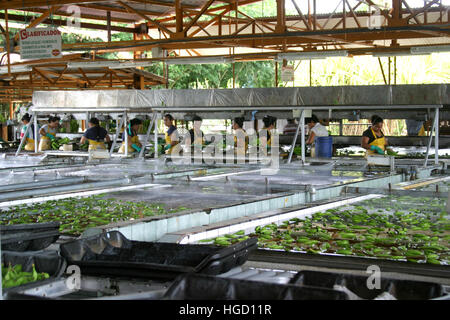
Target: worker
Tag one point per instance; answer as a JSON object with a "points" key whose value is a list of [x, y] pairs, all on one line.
{"points": [[290, 127], [96, 136], [29, 142], [240, 135], [48, 133], [373, 139], [265, 141], [417, 128], [133, 140], [172, 136], [197, 136], [316, 129]]}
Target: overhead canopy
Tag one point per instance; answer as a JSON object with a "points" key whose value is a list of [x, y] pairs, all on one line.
{"points": [[434, 94]]}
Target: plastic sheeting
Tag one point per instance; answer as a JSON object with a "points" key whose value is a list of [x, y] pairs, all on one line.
{"points": [[430, 94]]}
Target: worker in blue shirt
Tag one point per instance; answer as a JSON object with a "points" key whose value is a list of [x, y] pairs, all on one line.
{"points": [[96, 136], [133, 140]]}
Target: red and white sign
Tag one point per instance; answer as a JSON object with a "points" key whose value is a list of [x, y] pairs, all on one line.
{"points": [[287, 73], [40, 43]]}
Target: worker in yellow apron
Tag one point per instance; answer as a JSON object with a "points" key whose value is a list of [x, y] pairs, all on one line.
{"points": [[373, 139], [48, 133], [134, 145], [95, 135], [240, 134], [197, 136], [265, 137], [171, 136], [29, 142], [425, 127]]}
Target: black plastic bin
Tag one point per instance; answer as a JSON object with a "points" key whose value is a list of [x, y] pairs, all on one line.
{"points": [[399, 289], [206, 287], [44, 261], [113, 254], [29, 237]]}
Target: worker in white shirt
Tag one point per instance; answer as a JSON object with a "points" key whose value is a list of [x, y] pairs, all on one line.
{"points": [[48, 133], [316, 129]]}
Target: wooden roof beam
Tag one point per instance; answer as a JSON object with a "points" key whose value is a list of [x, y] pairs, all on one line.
{"points": [[164, 4], [60, 22], [62, 13], [119, 10], [21, 4], [199, 14], [142, 15]]}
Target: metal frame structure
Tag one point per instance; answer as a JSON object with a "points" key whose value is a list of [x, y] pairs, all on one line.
{"points": [[184, 29], [122, 124], [301, 128]]}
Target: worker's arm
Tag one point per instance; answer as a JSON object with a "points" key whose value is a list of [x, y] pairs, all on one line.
{"points": [[107, 138], [174, 138], [83, 140], [365, 143], [311, 138]]}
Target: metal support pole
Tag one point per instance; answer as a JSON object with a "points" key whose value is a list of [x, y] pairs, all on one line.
{"points": [[24, 138], [60, 189], [119, 125], [447, 206], [436, 116], [1, 278], [436, 137], [302, 120], [36, 132], [141, 153], [294, 141], [155, 136], [41, 184], [125, 133]]}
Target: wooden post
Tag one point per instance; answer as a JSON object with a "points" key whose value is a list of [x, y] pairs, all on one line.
{"points": [[179, 19], [11, 109], [108, 24], [7, 42], [234, 76], [389, 70], [276, 73], [395, 70], [310, 73], [281, 17]]}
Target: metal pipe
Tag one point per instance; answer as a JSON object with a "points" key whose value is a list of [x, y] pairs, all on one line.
{"points": [[35, 133], [24, 138], [117, 134], [71, 188], [302, 120], [156, 135], [436, 137], [125, 133], [141, 153], [291, 152], [447, 205], [79, 110], [8, 204], [431, 137], [274, 108], [33, 185]]}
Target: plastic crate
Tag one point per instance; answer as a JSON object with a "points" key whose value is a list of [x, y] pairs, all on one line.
{"points": [[205, 287], [29, 237], [44, 261], [114, 255], [398, 289]]}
